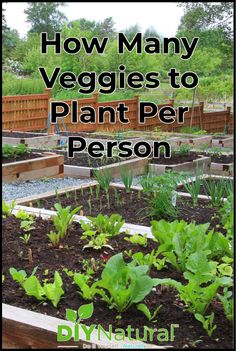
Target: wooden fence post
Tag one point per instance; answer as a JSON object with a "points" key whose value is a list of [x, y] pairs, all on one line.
{"points": [[201, 115], [228, 120], [171, 102], [47, 92], [95, 95], [136, 97]]}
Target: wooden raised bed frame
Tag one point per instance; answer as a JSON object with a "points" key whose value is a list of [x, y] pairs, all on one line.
{"points": [[202, 163], [32, 330], [225, 141], [138, 166], [36, 141], [50, 165], [222, 169]]}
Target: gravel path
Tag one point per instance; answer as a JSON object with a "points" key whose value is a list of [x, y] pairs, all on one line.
{"points": [[11, 191]]}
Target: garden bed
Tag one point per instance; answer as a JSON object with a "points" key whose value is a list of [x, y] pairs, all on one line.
{"points": [[221, 164], [82, 165], [29, 328], [186, 162], [23, 157], [223, 141], [30, 139], [196, 140], [44, 165], [103, 138], [212, 180], [131, 206]]}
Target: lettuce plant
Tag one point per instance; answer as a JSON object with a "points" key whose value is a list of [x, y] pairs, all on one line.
{"points": [[137, 239], [63, 219], [178, 239], [202, 286], [32, 286], [7, 209], [104, 224], [123, 285]]}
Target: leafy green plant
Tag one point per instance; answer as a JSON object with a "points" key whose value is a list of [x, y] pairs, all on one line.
{"points": [[160, 194], [27, 224], [193, 130], [182, 150], [137, 239], [227, 302], [32, 286], [227, 216], [179, 239], [199, 271], [103, 224], [26, 238], [7, 209], [63, 219], [207, 322], [14, 151], [123, 285], [87, 291], [150, 316], [95, 241], [54, 238], [127, 177], [149, 259]]}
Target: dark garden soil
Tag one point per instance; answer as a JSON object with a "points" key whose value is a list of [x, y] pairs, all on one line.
{"points": [[220, 137], [24, 157], [225, 159], [21, 135], [189, 334], [131, 206], [115, 136], [202, 188], [84, 160], [175, 159]]}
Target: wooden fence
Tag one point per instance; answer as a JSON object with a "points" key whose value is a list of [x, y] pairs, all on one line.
{"points": [[30, 113]]}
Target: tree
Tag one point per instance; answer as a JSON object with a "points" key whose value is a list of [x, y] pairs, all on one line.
{"points": [[151, 32], [45, 17], [208, 15], [98, 29], [132, 31]]}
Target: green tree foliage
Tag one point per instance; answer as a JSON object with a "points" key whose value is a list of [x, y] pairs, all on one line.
{"points": [[208, 15], [45, 17]]}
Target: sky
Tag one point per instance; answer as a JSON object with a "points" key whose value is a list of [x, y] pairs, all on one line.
{"points": [[163, 16]]}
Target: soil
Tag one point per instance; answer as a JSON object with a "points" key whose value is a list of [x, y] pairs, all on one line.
{"points": [[202, 189], [97, 136], [23, 157], [189, 334], [175, 159], [223, 159], [84, 160], [21, 135], [220, 137], [131, 206]]}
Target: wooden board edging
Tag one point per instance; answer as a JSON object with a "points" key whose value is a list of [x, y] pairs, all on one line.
{"points": [[27, 329]]}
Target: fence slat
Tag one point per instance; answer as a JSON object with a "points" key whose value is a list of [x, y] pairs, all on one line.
{"points": [[30, 113]]}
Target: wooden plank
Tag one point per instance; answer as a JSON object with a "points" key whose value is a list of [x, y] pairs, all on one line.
{"points": [[137, 166], [203, 162], [31, 330], [48, 166], [33, 164]]}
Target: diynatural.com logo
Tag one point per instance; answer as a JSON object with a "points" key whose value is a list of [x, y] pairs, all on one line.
{"points": [[83, 332]]}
